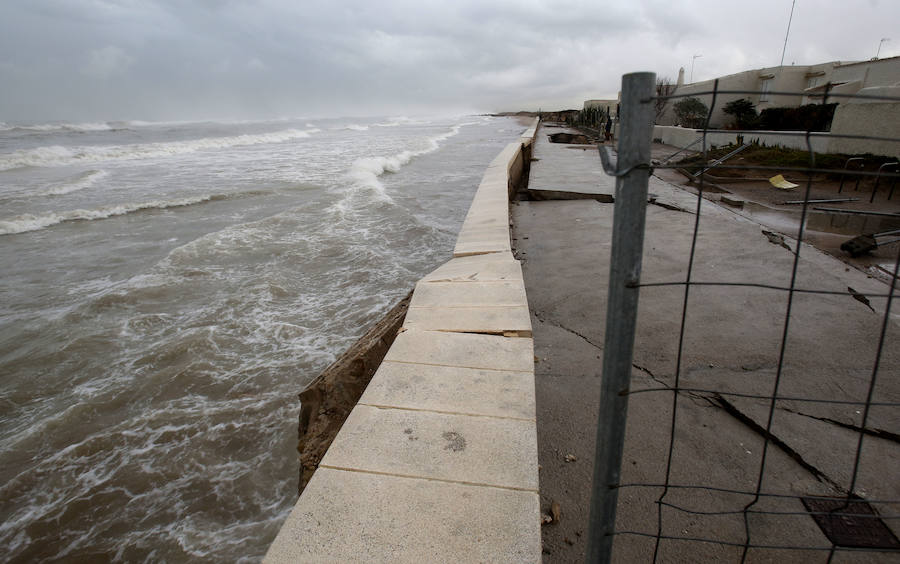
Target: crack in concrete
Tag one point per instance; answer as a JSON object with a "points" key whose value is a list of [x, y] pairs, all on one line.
{"points": [[880, 433], [731, 409], [538, 315], [668, 206], [649, 373]]}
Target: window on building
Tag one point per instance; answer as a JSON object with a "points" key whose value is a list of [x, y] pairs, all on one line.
{"points": [[812, 82], [765, 89]]}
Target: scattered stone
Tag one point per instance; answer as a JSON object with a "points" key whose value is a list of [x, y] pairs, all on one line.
{"points": [[859, 246], [570, 458], [546, 519], [555, 512]]}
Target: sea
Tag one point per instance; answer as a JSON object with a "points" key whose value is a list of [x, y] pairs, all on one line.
{"points": [[167, 289]]}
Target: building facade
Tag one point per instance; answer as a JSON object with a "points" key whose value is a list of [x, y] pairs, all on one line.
{"points": [[766, 87]]}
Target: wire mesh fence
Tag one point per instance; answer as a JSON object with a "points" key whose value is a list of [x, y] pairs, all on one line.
{"points": [[790, 449]]}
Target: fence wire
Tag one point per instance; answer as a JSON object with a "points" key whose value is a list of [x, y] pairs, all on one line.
{"points": [[850, 505]]}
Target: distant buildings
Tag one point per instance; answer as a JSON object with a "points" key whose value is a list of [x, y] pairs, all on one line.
{"points": [[880, 76]]}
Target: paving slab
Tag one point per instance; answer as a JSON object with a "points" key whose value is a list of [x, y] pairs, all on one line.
{"points": [[458, 349], [568, 168], [503, 320], [479, 268], [494, 182], [481, 450], [452, 389], [493, 219], [489, 201], [495, 229], [510, 293], [359, 517], [480, 247]]}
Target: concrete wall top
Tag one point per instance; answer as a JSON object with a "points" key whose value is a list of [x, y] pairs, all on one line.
{"points": [[438, 460]]}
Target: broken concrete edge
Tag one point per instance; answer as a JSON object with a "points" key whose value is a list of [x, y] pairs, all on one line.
{"points": [[547, 195], [327, 401]]}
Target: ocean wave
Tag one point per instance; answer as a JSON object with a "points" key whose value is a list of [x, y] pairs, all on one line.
{"points": [[90, 126], [76, 183], [365, 172], [356, 127], [395, 121], [28, 222], [56, 155]]}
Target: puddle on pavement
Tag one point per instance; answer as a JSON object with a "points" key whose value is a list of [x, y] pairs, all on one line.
{"points": [[827, 231]]}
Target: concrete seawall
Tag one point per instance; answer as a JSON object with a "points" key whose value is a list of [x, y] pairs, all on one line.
{"points": [[438, 460]]}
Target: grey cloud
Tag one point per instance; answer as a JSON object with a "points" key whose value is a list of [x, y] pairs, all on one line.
{"points": [[168, 59]]}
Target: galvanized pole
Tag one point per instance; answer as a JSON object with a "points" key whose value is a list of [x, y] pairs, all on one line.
{"points": [[636, 131]]}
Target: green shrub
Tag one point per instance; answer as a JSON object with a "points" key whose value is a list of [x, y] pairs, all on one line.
{"points": [[812, 117], [691, 112], [744, 113]]}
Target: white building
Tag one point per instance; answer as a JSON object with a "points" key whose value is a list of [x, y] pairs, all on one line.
{"points": [[809, 80]]}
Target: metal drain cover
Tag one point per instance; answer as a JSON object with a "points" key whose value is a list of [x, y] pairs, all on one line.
{"points": [[852, 523]]}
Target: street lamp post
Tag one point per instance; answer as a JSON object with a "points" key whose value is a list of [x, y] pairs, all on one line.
{"points": [[880, 43], [694, 58]]}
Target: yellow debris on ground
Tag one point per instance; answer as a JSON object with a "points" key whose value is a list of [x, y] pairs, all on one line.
{"points": [[779, 181]]}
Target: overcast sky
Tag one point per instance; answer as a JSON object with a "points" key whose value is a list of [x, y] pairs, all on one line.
{"points": [[192, 59]]}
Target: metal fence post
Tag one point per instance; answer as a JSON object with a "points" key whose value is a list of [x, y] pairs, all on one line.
{"points": [[636, 132]]}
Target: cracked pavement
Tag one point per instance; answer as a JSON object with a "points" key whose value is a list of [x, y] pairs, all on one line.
{"points": [[732, 344]]}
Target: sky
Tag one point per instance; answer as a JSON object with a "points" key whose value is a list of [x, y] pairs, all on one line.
{"points": [[249, 59]]}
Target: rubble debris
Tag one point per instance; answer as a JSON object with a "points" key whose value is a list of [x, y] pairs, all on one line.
{"points": [[776, 239]]}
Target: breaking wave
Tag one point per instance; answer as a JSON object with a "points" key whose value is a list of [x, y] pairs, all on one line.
{"points": [[98, 126], [357, 127], [28, 222], [56, 155], [79, 182], [365, 171]]}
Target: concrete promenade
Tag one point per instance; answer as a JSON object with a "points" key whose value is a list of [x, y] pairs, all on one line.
{"points": [[437, 462], [732, 344]]}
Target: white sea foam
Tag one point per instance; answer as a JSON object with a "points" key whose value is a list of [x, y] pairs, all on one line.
{"points": [[365, 171], [395, 121], [56, 155], [90, 126], [76, 183], [28, 222], [357, 127]]}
